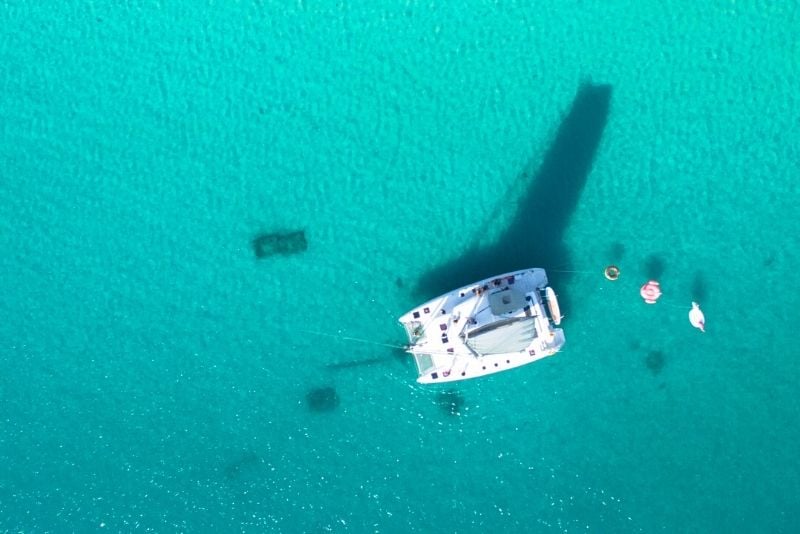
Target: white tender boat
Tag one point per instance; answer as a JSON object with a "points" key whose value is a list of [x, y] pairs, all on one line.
{"points": [[486, 327]]}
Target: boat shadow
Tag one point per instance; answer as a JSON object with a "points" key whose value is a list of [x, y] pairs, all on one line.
{"points": [[535, 237]]}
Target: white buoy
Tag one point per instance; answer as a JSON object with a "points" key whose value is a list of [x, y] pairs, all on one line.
{"points": [[697, 318]]}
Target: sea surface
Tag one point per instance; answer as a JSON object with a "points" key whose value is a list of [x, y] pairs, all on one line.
{"points": [[155, 376]]}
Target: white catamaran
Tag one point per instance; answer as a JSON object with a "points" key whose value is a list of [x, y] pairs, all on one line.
{"points": [[490, 326]]}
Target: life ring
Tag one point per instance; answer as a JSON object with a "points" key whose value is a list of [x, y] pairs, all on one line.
{"points": [[612, 272], [650, 292]]}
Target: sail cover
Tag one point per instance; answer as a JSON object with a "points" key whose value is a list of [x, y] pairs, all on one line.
{"points": [[510, 336]]}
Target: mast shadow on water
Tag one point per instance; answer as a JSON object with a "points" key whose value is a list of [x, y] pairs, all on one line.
{"points": [[397, 353], [535, 238]]}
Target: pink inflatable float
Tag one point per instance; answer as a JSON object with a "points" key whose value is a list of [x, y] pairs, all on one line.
{"points": [[650, 292]]}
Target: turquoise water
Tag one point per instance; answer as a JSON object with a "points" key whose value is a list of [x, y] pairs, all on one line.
{"points": [[155, 374]]}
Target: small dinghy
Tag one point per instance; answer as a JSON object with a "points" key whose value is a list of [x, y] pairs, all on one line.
{"points": [[552, 305], [697, 318]]}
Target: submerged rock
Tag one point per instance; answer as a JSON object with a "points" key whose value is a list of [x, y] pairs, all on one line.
{"points": [[324, 399], [451, 402], [285, 243], [655, 361], [245, 461]]}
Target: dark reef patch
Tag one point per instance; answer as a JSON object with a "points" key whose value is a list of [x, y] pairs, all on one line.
{"points": [[655, 361], [284, 243], [451, 402], [245, 461], [322, 399]]}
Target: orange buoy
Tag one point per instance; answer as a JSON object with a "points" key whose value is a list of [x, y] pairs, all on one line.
{"points": [[650, 292], [612, 272]]}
